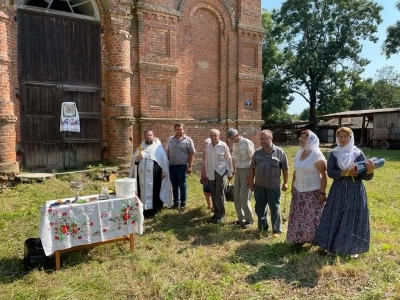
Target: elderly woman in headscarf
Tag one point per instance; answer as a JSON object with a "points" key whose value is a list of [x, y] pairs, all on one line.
{"points": [[344, 226], [308, 190]]}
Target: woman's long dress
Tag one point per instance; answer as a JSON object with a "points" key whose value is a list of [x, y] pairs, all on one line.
{"points": [[344, 225], [305, 207]]}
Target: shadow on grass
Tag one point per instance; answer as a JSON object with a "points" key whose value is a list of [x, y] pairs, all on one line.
{"points": [[195, 225], [294, 265], [13, 269]]}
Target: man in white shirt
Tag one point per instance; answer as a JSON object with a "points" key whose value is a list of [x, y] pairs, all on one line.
{"points": [[218, 170], [243, 150]]}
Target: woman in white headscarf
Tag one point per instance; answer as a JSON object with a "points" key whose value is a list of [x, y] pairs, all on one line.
{"points": [[308, 190], [344, 226]]}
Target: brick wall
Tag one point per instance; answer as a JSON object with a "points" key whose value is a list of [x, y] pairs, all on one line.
{"points": [[197, 66], [163, 62]]}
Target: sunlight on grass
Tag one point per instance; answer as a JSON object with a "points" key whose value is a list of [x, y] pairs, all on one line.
{"points": [[184, 256]]}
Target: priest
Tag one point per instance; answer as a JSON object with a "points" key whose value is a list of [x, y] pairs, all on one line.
{"points": [[150, 168]]}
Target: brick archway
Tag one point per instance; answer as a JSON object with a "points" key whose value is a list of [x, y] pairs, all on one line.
{"points": [[227, 13]]}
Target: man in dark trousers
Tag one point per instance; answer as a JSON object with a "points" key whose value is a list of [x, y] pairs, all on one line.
{"points": [[180, 151]]}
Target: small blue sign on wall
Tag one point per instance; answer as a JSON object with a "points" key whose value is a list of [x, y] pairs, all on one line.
{"points": [[248, 103]]}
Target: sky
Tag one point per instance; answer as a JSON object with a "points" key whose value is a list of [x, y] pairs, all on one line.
{"points": [[372, 51]]}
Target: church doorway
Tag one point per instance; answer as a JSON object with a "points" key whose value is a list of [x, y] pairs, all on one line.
{"points": [[59, 60]]}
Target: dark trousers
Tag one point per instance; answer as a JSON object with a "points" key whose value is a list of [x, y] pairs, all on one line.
{"points": [[268, 198], [217, 188], [177, 174]]}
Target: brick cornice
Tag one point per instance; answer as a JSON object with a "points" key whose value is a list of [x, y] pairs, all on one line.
{"points": [[7, 119], [142, 7], [252, 77], [251, 29], [143, 119], [146, 66], [251, 121], [193, 121], [4, 17], [119, 69], [5, 59]]}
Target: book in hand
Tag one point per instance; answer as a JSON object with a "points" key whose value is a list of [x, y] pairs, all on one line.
{"points": [[361, 166]]}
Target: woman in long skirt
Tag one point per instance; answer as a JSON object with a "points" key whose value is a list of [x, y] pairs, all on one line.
{"points": [[344, 226], [308, 190]]}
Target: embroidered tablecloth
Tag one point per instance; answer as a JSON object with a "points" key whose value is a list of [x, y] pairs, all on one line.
{"points": [[66, 226]]}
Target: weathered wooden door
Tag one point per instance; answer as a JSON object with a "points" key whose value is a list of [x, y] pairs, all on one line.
{"points": [[59, 61]]}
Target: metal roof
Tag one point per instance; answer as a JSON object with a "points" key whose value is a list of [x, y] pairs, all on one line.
{"points": [[359, 113]]}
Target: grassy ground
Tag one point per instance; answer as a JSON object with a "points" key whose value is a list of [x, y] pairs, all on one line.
{"points": [[183, 256]]}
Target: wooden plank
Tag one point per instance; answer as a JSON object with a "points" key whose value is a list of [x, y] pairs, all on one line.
{"points": [[130, 238]]}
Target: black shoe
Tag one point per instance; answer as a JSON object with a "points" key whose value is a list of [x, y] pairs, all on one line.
{"points": [[247, 224], [237, 223], [220, 220], [175, 206], [182, 209], [213, 218]]}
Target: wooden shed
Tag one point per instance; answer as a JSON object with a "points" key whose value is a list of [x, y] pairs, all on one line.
{"points": [[386, 125]]}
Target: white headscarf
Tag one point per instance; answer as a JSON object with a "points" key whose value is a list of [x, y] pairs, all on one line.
{"points": [[347, 154], [312, 142]]}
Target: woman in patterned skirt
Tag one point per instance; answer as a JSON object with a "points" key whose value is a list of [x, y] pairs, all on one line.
{"points": [[344, 226], [308, 190]]}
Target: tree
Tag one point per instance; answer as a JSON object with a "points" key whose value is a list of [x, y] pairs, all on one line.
{"points": [[276, 96], [321, 38], [391, 45], [362, 95], [386, 89], [305, 114], [333, 95]]}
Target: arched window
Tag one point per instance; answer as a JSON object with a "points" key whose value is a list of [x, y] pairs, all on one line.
{"points": [[79, 8]]}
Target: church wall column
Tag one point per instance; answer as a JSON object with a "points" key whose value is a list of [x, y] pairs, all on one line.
{"points": [[118, 107], [8, 119]]}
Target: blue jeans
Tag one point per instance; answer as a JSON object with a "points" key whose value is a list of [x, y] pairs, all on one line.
{"points": [[268, 198], [177, 174]]}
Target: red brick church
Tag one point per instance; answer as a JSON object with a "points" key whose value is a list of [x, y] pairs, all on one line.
{"points": [[128, 65]]}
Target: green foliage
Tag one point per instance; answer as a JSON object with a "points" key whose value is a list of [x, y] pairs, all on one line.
{"points": [[318, 41], [391, 45], [305, 114], [276, 96], [362, 94], [386, 89]]}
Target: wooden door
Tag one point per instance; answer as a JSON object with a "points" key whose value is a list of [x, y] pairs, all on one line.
{"points": [[83, 148], [41, 145], [59, 60]]}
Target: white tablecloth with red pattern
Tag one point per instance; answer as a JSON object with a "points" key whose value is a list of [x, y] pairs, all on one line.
{"points": [[65, 226]]}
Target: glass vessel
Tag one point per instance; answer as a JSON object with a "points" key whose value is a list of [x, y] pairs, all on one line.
{"points": [[76, 186]]}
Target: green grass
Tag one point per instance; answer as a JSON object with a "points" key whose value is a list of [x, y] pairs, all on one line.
{"points": [[182, 256]]}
